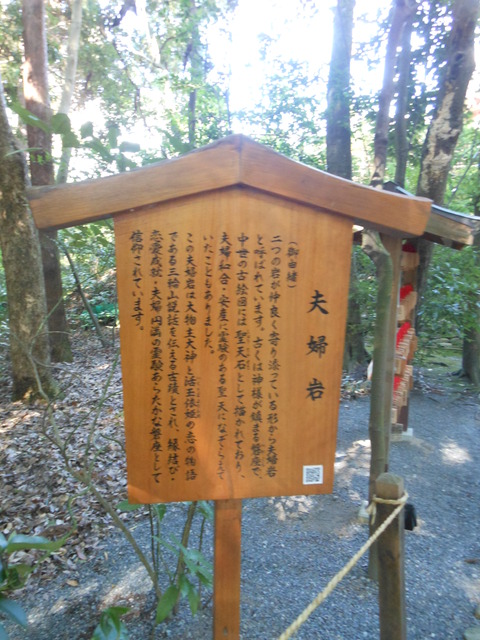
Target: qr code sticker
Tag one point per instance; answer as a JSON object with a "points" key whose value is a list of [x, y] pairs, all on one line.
{"points": [[313, 474]]}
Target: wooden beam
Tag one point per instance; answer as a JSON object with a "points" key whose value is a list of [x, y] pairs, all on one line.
{"points": [[226, 590], [235, 161], [68, 205], [368, 207], [450, 231], [391, 555], [446, 227]]}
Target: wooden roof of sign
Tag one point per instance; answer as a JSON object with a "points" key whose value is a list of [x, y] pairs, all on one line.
{"points": [[447, 227], [235, 161]]}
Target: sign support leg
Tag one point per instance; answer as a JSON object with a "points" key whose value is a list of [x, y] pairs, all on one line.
{"points": [[391, 558], [227, 560]]}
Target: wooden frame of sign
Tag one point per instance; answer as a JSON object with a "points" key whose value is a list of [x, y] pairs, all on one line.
{"points": [[233, 271]]}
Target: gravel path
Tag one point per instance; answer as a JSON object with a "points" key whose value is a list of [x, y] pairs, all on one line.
{"points": [[291, 547]]}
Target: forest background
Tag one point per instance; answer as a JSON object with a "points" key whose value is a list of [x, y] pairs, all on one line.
{"points": [[128, 83], [95, 87]]}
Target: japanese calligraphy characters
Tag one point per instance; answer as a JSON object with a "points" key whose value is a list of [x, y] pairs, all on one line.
{"points": [[232, 311]]}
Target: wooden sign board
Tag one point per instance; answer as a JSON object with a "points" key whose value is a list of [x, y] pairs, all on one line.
{"points": [[232, 365], [233, 310]]}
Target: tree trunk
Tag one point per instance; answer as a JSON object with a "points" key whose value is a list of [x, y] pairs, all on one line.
{"points": [[447, 122], [402, 11], [35, 87], [339, 158], [403, 87], [471, 340], [29, 349], [471, 334], [69, 80], [339, 154]]}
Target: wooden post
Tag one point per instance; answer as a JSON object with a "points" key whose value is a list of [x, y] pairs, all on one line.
{"points": [[394, 247], [227, 560], [391, 570]]}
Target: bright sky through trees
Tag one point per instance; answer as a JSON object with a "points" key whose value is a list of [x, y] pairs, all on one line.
{"points": [[251, 50], [299, 30], [245, 46]]}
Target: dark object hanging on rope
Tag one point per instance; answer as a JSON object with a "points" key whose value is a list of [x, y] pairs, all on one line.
{"points": [[410, 517]]}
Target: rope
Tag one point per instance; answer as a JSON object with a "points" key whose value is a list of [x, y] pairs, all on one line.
{"points": [[348, 567], [372, 508]]}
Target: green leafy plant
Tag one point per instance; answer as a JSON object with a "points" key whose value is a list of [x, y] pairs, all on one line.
{"points": [[105, 313], [59, 124], [195, 567], [111, 627], [14, 575], [192, 572]]}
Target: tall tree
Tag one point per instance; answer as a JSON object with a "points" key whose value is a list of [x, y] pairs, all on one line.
{"points": [[339, 157], [35, 89], [69, 80], [447, 120], [401, 110], [29, 348], [402, 12], [339, 151]]}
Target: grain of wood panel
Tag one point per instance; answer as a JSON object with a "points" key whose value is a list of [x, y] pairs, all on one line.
{"points": [[232, 311]]}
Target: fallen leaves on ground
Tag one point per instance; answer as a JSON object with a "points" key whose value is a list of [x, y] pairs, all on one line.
{"points": [[39, 495]]}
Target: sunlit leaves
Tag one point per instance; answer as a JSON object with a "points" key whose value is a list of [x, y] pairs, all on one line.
{"points": [[111, 627]]}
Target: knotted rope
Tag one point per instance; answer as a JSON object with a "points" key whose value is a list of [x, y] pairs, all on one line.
{"points": [[400, 502]]}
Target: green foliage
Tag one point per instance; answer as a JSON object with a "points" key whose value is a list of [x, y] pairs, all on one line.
{"points": [[451, 299], [289, 116], [59, 124], [445, 312], [93, 251], [166, 603], [11, 54], [364, 289], [111, 627], [106, 314], [108, 71], [14, 576], [463, 188], [107, 149], [192, 569]]}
